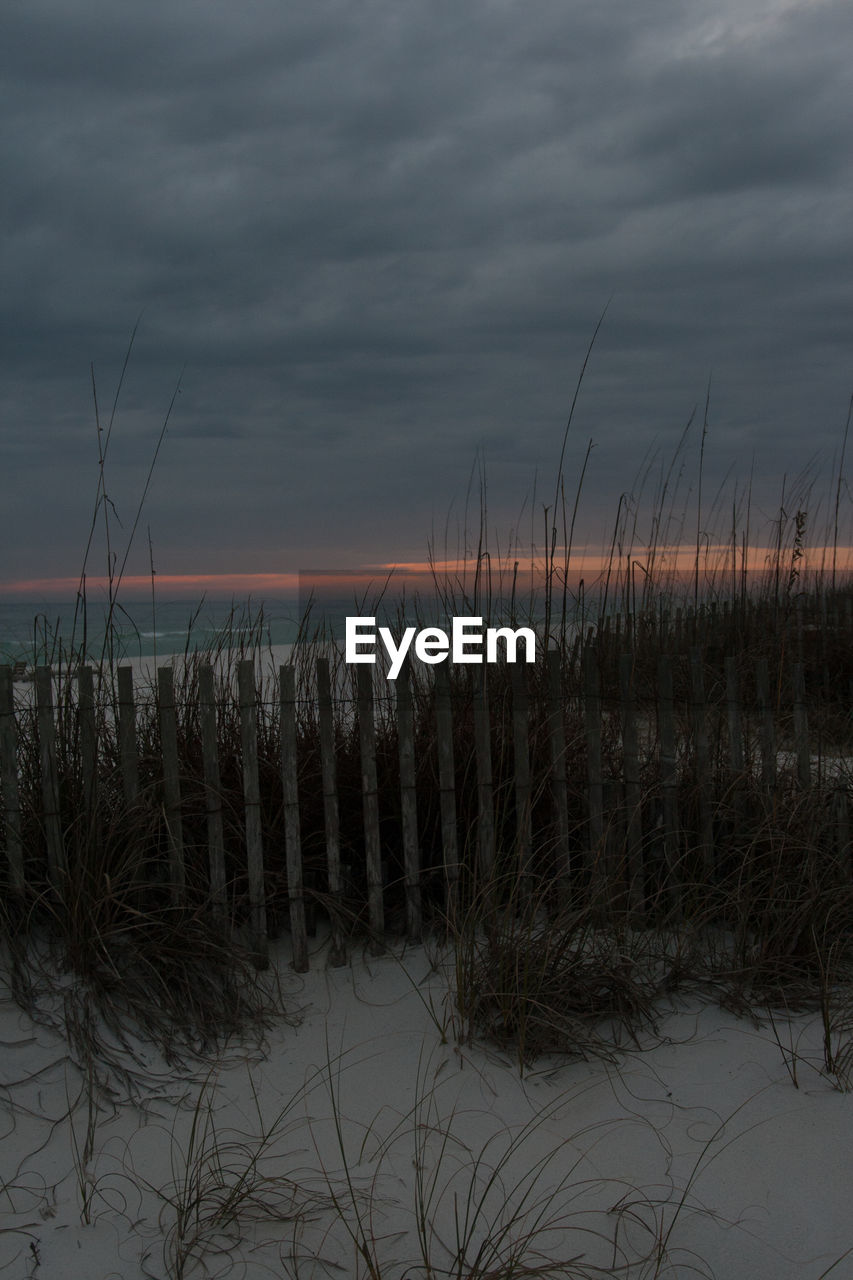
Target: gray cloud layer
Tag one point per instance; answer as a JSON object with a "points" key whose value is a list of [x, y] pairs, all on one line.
{"points": [[379, 237]]}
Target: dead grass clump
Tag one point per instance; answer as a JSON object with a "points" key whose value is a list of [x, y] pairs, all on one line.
{"points": [[555, 981], [785, 912], [117, 982]]}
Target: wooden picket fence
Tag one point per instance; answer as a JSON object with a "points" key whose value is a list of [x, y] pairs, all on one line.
{"points": [[626, 785]]}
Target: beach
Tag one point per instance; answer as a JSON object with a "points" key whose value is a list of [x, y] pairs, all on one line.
{"points": [[691, 1153]]}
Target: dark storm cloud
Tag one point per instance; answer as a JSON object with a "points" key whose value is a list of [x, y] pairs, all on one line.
{"points": [[379, 237]]}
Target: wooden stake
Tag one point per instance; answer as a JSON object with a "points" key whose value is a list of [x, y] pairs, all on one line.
{"points": [[485, 798], [331, 817], [767, 731], [702, 753], [252, 805], [212, 791], [523, 792], [447, 789], [592, 729], [57, 864], [9, 783], [557, 739], [127, 737], [633, 787], [669, 779], [370, 801], [171, 782], [292, 831], [801, 728], [408, 800], [88, 741]]}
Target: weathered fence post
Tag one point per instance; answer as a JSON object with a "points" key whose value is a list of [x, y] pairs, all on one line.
{"points": [[212, 791], [557, 739], [736, 756], [88, 741], [801, 728], [521, 770], [447, 790], [768, 733], [370, 803], [592, 729], [669, 778], [633, 786], [614, 829], [702, 755], [292, 830], [842, 830], [252, 806], [331, 816], [408, 800], [57, 864], [127, 737], [485, 798], [9, 783], [171, 782]]}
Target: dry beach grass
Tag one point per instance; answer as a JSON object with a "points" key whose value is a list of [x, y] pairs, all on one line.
{"points": [[545, 1085]]}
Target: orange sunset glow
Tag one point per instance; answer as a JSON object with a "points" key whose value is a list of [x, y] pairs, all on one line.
{"points": [[715, 562]]}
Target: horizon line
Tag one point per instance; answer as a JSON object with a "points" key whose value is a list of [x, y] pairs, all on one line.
{"points": [[714, 560]]}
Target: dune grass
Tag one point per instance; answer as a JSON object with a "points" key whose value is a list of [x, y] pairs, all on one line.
{"points": [[771, 923], [537, 963]]}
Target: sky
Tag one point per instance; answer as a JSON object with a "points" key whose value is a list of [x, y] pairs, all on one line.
{"points": [[369, 244]]}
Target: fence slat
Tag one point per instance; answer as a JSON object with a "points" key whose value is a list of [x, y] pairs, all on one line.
{"points": [[88, 740], [252, 806], [842, 830], [734, 717], [557, 740], [127, 737], [801, 728], [521, 770], [57, 865], [767, 728], [595, 792], [447, 789], [408, 800], [669, 779], [171, 781], [212, 791], [485, 796], [292, 831], [614, 828], [633, 786], [736, 754], [370, 804], [702, 753], [331, 815], [9, 783]]}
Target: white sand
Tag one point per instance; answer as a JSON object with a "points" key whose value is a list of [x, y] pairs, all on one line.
{"points": [[708, 1107], [701, 1139]]}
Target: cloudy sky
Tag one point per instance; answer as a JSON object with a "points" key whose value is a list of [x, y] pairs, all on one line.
{"points": [[373, 241]]}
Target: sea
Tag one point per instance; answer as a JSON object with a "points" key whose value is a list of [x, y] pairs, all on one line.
{"points": [[50, 631], [39, 632], [47, 632]]}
